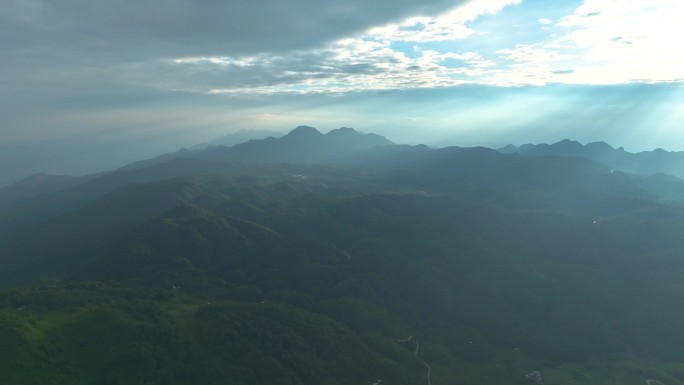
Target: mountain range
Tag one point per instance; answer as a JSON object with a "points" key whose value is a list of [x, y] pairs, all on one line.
{"points": [[646, 162], [345, 146], [303, 144], [343, 258], [238, 137]]}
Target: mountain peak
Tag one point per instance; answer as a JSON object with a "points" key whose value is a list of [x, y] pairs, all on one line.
{"points": [[343, 131], [568, 143], [508, 149], [350, 137], [304, 131]]}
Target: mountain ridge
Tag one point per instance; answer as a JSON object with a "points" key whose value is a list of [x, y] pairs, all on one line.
{"points": [[270, 149], [238, 137], [302, 144], [32, 201], [645, 162]]}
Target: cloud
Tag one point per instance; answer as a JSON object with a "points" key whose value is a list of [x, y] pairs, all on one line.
{"points": [[448, 26], [73, 44], [562, 72], [601, 42], [629, 41], [155, 28], [604, 42], [349, 65], [124, 52], [82, 54], [531, 53], [365, 62]]}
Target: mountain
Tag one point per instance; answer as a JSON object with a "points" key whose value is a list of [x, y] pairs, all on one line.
{"points": [[303, 144], [341, 258], [439, 167], [647, 162], [238, 137], [24, 203], [347, 136], [36, 207]]}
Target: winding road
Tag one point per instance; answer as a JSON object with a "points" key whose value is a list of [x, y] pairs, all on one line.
{"points": [[649, 381], [415, 353]]}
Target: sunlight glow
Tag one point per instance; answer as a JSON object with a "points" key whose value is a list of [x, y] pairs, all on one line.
{"points": [[627, 42], [599, 42]]}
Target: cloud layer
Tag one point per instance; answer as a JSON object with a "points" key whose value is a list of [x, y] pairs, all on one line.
{"points": [[74, 51], [161, 28], [598, 42]]}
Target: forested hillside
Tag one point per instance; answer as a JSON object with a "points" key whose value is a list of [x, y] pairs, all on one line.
{"points": [[399, 264]]}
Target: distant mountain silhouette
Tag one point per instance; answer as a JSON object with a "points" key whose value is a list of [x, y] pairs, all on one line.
{"points": [[303, 144], [564, 165], [238, 137], [43, 196], [647, 162], [62, 220]]}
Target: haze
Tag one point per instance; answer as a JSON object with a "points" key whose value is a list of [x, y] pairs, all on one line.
{"points": [[87, 86]]}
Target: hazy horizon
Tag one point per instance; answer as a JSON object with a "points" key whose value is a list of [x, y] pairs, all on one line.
{"points": [[121, 158]]}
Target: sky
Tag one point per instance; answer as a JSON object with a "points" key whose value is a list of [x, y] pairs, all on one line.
{"points": [[87, 86]]}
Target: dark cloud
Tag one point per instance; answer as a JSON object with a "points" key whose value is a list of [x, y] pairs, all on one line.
{"points": [[160, 28]]}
